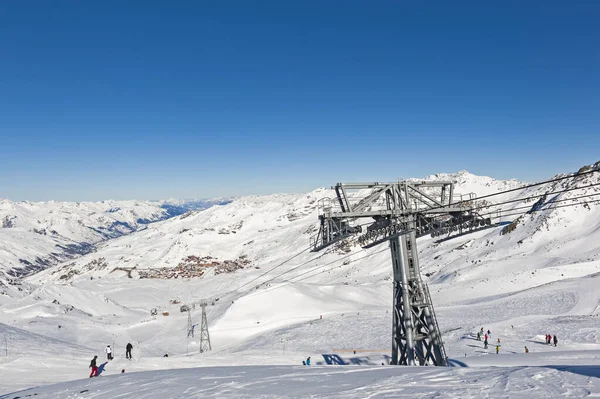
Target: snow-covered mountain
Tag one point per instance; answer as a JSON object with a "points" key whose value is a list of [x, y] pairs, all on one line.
{"points": [[260, 229], [479, 185], [35, 235], [176, 207], [537, 273]]}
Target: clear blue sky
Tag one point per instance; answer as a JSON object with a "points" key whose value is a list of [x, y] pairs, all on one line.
{"points": [[149, 99]]}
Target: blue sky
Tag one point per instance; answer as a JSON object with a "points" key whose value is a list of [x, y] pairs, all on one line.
{"points": [[148, 99]]}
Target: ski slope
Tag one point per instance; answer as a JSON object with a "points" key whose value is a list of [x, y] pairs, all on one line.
{"points": [[540, 278], [335, 382]]}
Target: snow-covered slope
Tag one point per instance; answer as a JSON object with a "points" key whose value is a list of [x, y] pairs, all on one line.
{"points": [[470, 183], [35, 235], [258, 233], [176, 207], [263, 229], [538, 275], [357, 382]]}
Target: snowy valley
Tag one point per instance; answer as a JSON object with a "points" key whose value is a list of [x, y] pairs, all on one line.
{"points": [[271, 302], [37, 235]]}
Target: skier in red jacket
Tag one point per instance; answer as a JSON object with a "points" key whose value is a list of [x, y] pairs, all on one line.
{"points": [[94, 367]]}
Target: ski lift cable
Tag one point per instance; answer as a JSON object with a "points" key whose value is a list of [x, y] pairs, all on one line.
{"points": [[551, 208], [291, 280], [235, 292], [295, 278], [289, 271], [572, 176], [535, 196], [285, 282], [292, 269], [482, 207], [550, 203], [270, 270], [323, 271]]}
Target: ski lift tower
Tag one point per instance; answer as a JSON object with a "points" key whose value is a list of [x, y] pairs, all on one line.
{"points": [[205, 345], [204, 335], [398, 213]]}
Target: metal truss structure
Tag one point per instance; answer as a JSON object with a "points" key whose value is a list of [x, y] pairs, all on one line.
{"points": [[204, 335], [399, 213]]}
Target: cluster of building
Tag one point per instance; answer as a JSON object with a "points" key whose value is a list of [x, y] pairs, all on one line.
{"points": [[194, 266]]}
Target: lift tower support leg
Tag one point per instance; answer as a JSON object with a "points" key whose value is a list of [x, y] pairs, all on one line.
{"points": [[416, 336]]}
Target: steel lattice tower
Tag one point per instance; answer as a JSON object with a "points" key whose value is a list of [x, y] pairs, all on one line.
{"points": [[190, 327], [204, 335], [402, 211]]}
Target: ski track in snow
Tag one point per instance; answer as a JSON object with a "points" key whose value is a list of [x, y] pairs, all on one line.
{"points": [[332, 382]]}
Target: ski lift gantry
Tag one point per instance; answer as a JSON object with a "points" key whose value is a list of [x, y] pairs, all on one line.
{"points": [[398, 213]]}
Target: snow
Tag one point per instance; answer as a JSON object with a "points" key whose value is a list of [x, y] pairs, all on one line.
{"points": [[34, 235], [541, 278], [334, 382]]}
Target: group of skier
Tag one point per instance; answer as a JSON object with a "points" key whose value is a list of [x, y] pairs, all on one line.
{"points": [[109, 356], [549, 340], [486, 336]]}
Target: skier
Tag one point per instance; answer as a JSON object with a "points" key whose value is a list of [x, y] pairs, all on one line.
{"points": [[123, 371], [191, 332], [108, 351], [485, 344], [94, 367], [555, 340], [308, 361], [489, 333], [497, 349], [478, 336], [498, 341], [526, 350], [486, 337], [128, 349]]}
